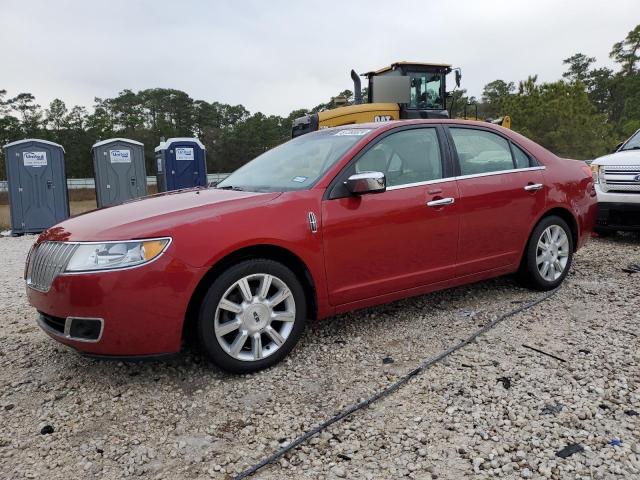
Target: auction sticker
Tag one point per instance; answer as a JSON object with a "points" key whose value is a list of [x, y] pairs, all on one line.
{"points": [[120, 156], [299, 179], [356, 132], [184, 153], [34, 159]]}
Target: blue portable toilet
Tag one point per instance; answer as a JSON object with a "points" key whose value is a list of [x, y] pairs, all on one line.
{"points": [[38, 196], [181, 163]]}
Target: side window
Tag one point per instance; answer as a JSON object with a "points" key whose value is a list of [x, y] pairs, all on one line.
{"points": [[408, 156], [480, 151], [522, 159]]}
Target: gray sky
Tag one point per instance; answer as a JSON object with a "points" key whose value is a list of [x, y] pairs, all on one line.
{"points": [[274, 56]]}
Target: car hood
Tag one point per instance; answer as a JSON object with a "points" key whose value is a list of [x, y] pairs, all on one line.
{"points": [[626, 157], [154, 216]]}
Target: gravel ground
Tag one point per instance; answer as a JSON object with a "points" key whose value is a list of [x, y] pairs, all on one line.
{"points": [[493, 409]]}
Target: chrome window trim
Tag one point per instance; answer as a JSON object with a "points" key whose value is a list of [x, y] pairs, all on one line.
{"points": [[501, 172], [418, 184], [465, 177]]}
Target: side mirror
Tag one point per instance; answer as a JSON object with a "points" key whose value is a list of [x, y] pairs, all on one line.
{"points": [[617, 147], [366, 182], [458, 77]]}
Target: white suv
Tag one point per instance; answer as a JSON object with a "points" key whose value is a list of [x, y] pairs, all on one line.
{"points": [[617, 179]]}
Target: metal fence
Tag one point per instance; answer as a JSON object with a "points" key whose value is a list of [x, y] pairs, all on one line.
{"points": [[78, 183]]}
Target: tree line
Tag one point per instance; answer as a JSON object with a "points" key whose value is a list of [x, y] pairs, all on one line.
{"points": [[583, 115]]}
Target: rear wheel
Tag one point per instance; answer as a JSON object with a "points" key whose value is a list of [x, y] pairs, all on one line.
{"points": [[252, 316], [548, 255]]}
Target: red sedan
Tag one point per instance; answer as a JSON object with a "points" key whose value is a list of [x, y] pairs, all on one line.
{"points": [[331, 221]]}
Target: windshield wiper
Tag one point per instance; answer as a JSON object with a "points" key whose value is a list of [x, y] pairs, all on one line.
{"points": [[635, 147], [230, 187]]}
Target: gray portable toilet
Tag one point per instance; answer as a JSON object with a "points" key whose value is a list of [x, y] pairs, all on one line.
{"points": [[119, 171], [38, 196], [181, 163]]}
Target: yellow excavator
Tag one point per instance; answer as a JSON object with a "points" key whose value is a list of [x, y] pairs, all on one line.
{"points": [[403, 90]]}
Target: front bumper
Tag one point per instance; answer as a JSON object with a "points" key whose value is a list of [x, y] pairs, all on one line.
{"points": [[618, 216], [141, 310]]}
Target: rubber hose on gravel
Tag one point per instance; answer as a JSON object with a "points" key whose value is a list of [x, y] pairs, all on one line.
{"points": [[391, 388]]}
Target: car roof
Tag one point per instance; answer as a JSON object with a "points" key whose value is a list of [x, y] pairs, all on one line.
{"points": [[430, 121]]}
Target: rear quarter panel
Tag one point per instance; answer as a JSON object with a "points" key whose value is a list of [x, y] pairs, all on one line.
{"points": [[570, 186]]}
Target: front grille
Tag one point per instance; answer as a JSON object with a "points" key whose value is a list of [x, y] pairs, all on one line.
{"points": [[621, 178], [46, 261]]}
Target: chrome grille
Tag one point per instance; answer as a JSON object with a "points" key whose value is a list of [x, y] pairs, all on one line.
{"points": [[621, 178], [45, 262]]}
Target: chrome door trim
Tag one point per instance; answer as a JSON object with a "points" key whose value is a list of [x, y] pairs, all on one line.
{"points": [[501, 172], [419, 184], [465, 177]]}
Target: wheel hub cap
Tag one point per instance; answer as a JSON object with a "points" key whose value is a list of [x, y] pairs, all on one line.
{"points": [[255, 317]]}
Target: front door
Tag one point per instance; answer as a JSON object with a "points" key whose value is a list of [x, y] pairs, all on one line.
{"points": [[376, 244], [501, 193], [37, 188], [121, 175], [185, 166]]}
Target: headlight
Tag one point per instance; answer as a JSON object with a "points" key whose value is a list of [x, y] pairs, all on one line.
{"points": [[595, 173], [105, 256]]}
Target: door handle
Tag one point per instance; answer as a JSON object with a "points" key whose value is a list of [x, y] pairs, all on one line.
{"points": [[534, 186], [441, 202]]}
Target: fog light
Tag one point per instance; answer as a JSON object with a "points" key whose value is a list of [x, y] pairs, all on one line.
{"points": [[87, 329]]}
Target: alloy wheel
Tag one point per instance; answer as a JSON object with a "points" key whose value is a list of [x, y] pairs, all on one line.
{"points": [[552, 253], [254, 317]]}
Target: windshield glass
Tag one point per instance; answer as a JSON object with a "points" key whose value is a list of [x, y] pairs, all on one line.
{"points": [[633, 143], [295, 165], [425, 91]]}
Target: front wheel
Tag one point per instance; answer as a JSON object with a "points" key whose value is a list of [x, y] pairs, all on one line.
{"points": [[252, 316], [548, 255]]}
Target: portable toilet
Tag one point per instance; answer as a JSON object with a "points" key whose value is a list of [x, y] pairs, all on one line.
{"points": [[119, 171], [38, 196], [181, 163]]}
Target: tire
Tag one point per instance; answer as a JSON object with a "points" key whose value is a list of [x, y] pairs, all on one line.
{"points": [[236, 306], [533, 271]]}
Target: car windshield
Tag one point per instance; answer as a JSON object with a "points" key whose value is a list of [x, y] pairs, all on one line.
{"points": [[296, 164], [633, 143]]}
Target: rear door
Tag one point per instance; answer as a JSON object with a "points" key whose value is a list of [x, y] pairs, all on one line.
{"points": [[37, 188], [377, 244], [502, 192]]}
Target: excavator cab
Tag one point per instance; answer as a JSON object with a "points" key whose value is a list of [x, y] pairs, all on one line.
{"points": [[419, 89], [403, 90]]}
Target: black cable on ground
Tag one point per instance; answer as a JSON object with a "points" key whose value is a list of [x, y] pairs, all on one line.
{"points": [[390, 389]]}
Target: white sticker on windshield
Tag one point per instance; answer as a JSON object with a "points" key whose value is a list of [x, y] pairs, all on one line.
{"points": [[356, 132], [299, 179]]}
